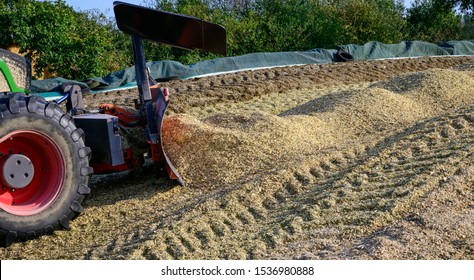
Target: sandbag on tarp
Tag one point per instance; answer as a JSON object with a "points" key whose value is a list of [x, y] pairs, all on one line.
{"points": [[377, 50]]}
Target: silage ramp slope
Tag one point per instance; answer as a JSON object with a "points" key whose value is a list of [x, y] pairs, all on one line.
{"points": [[234, 146], [392, 148], [343, 205]]}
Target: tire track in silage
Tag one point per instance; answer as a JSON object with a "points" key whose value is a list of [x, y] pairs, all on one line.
{"points": [[380, 188]]}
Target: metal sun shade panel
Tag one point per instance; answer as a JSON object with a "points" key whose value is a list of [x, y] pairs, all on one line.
{"points": [[170, 28]]}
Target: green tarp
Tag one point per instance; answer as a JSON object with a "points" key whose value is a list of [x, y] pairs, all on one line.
{"points": [[377, 50], [164, 69]]}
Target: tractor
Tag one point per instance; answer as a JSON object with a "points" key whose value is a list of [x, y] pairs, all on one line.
{"points": [[48, 152]]}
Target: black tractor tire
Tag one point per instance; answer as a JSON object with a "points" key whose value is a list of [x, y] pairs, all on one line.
{"points": [[342, 56], [19, 67], [53, 192]]}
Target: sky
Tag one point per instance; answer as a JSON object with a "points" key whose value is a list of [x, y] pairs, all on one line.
{"points": [[106, 5]]}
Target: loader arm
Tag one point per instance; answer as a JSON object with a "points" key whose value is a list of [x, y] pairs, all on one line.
{"points": [[169, 29]]}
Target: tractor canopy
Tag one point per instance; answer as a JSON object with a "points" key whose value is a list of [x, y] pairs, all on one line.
{"points": [[170, 29]]}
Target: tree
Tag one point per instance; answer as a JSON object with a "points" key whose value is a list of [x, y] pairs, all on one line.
{"points": [[56, 38], [463, 4], [369, 20], [434, 21], [296, 25]]}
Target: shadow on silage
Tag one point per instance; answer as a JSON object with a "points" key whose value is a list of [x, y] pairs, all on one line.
{"points": [[140, 183]]}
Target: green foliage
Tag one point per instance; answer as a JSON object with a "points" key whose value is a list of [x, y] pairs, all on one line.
{"points": [[58, 39], [463, 4], [370, 20], [245, 33], [296, 25], [434, 21], [468, 21]]}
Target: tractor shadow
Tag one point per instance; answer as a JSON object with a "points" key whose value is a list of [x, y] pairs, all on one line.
{"points": [[141, 183]]}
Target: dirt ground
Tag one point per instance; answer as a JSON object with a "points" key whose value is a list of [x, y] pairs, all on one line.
{"points": [[358, 160]]}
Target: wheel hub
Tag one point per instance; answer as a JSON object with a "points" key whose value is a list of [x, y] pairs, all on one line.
{"points": [[18, 171]]}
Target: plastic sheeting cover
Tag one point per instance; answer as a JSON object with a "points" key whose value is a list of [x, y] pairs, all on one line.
{"points": [[166, 69]]}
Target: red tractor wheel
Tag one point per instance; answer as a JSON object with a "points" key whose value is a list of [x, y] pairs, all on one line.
{"points": [[44, 168]]}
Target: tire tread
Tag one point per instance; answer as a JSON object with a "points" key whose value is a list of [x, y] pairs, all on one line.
{"points": [[17, 103]]}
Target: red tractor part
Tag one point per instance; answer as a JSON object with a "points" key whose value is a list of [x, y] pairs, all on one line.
{"points": [[44, 168], [32, 172]]}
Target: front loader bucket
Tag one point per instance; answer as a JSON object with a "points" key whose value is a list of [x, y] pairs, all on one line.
{"points": [[160, 101]]}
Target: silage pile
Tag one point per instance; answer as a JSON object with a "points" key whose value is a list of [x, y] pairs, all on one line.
{"points": [[232, 147], [229, 148]]}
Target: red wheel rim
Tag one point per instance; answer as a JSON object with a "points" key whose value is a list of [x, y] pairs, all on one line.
{"points": [[49, 172]]}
